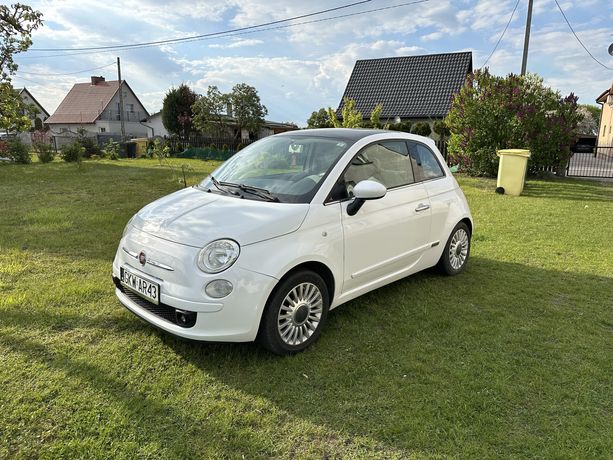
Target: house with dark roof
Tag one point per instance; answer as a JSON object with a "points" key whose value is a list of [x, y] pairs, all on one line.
{"points": [[410, 88], [95, 107]]}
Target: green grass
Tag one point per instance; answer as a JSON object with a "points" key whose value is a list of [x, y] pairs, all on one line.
{"points": [[513, 358]]}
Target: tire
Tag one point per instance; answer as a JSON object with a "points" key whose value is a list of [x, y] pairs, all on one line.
{"points": [[295, 313], [456, 252]]}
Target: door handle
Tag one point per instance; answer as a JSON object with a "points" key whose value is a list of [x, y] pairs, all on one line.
{"points": [[422, 207]]}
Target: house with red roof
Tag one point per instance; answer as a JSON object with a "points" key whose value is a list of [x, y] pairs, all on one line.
{"points": [[95, 107]]}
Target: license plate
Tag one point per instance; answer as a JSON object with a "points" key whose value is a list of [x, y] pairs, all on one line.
{"points": [[143, 287]]}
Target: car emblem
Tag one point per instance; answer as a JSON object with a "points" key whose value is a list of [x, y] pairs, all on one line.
{"points": [[142, 258]]}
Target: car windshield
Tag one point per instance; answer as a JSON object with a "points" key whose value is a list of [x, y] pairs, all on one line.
{"points": [[285, 168]]}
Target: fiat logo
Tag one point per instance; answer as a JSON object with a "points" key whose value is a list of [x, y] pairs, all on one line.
{"points": [[142, 258]]}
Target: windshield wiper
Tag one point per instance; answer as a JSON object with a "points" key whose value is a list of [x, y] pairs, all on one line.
{"points": [[218, 185], [257, 191]]}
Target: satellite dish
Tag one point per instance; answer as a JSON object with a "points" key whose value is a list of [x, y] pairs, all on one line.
{"points": [[611, 49]]}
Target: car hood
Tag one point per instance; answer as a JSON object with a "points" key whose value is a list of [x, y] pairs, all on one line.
{"points": [[195, 217]]}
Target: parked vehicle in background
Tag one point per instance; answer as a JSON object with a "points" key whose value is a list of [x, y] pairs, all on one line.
{"points": [[289, 228]]}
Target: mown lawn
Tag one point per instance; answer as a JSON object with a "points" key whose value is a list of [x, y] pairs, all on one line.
{"points": [[513, 358]]}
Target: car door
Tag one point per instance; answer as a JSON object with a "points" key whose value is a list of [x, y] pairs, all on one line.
{"points": [[387, 236], [439, 186]]}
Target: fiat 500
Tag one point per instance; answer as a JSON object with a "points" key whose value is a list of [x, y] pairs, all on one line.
{"points": [[289, 228]]}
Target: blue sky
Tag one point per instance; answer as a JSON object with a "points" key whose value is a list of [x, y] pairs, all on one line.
{"points": [[298, 69]]}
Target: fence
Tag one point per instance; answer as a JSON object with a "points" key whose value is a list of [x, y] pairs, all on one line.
{"points": [[598, 163], [218, 143]]}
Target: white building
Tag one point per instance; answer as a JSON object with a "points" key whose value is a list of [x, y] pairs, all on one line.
{"points": [[95, 107]]}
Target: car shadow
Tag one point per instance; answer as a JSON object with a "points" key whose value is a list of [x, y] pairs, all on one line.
{"points": [[412, 362]]}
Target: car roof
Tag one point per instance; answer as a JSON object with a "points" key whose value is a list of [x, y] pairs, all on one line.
{"points": [[352, 134]]}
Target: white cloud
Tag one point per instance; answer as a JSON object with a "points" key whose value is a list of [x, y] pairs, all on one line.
{"points": [[237, 44]]}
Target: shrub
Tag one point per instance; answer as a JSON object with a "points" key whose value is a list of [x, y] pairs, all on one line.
{"points": [[111, 150], [440, 128], [404, 126], [72, 153], [422, 129], [90, 146], [18, 151], [44, 152], [491, 113]]}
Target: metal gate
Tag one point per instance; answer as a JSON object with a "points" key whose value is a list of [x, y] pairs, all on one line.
{"points": [[598, 163]]}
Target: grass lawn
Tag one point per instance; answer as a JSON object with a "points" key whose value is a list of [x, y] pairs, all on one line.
{"points": [[513, 358]]}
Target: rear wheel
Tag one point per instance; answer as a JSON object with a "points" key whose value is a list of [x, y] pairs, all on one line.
{"points": [[294, 314], [456, 252]]}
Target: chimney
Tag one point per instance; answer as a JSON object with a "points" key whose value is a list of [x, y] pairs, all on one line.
{"points": [[229, 109], [96, 80]]}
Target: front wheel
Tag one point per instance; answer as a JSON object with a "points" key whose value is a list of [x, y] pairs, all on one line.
{"points": [[456, 252], [294, 314]]}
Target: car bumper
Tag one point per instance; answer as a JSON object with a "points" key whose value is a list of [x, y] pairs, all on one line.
{"points": [[234, 318]]}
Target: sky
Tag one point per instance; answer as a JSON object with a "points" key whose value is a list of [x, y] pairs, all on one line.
{"points": [[300, 68]]}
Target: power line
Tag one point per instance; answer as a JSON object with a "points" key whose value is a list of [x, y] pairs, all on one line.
{"points": [[285, 26], [64, 74], [501, 35], [578, 39], [212, 34]]}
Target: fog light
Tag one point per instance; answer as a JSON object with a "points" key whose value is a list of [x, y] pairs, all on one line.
{"points": [[218, 288]]}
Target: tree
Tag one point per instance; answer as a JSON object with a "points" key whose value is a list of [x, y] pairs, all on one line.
{"points": [[590, 119], [247, 108], [319, 119], [352, 118], [17, 22], [210, 112], [491, 113], [375, 116], [177, 110]]}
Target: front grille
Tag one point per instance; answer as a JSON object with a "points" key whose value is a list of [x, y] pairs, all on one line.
{"points": [[166, 312]]}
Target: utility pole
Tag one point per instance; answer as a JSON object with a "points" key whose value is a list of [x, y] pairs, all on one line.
{"points": [[121, 120], [524, 61]]}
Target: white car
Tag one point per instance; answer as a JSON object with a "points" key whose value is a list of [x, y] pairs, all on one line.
{"points": [[289, 228]]}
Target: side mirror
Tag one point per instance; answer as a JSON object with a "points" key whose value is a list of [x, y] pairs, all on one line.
{"points": [[365, 190]]}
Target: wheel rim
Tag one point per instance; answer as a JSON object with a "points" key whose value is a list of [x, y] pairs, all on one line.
{"points": [[458, 249], [300, 314]]}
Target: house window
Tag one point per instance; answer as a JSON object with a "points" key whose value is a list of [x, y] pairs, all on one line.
{"points": [[103, 130], [130, 107]]}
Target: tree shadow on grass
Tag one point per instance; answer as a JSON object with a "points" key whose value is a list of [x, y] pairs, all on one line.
{"points": [[569, 189], [481, 364]]}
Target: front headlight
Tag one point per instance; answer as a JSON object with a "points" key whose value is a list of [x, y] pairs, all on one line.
{"points": [[218, 255], [127, 227]]}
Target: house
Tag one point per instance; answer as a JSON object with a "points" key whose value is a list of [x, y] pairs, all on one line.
{"points": [[40, 114], [94, 107], [605, 136], [410, 88], [37, 117], [155, 125]]}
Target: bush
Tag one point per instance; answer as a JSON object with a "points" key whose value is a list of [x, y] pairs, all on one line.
{"points": [[44, 152], [111, 150], [422, 129], [492, 113], [18, 151], [404, 126], [440, 128], [90, 147], [73, 152]]}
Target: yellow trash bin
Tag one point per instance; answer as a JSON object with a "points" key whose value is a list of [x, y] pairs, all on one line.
{"points": [[512, 168]]}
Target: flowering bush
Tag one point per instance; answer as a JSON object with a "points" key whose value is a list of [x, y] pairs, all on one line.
{"points": [[491, 113]]}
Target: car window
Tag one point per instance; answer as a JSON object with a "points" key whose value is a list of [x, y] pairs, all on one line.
{"points": [[424, 162], [387, 162]]}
